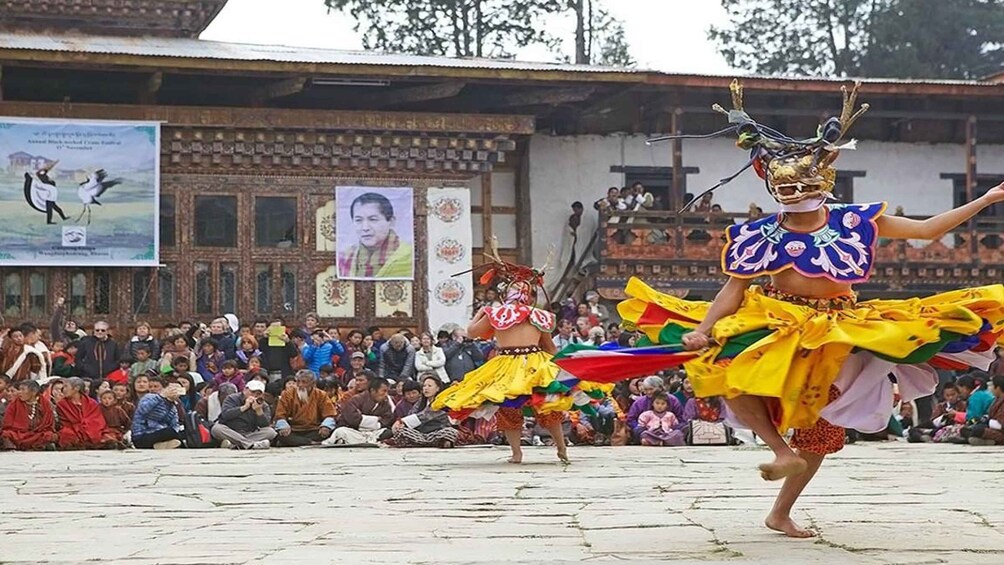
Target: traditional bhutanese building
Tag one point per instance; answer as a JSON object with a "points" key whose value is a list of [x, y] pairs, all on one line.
{"points": [[256, 137]]}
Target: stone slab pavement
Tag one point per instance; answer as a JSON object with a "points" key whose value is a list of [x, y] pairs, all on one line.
{"points": [[879, 504]]}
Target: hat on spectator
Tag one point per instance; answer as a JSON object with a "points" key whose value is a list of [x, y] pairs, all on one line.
{"points": [[358, 355], [255, 386], [232, 321]]}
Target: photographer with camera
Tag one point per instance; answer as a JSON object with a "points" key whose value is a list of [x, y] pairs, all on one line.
{"points": [[245, 420], [463, 355]]}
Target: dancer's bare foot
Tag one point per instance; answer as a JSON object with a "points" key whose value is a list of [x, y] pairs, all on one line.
{"points": [[787, 526], [516, 458], [784, 466], [563, 455]]}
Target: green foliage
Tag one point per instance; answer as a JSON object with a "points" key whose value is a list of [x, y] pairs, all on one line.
{"points": [[484, 28], [890, 38]]}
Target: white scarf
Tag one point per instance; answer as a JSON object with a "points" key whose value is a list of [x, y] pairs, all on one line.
{"points": [[807, 205], [40, 351], [215, 408]]}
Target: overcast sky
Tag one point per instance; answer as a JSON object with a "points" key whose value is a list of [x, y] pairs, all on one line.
{"points": [[667, 35]]}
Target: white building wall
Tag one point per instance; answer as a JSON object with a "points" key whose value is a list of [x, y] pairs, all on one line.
{"points": [[569, 168]]}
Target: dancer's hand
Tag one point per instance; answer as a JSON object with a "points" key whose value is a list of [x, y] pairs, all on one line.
{"points": [[695, 340], [996, 194]]}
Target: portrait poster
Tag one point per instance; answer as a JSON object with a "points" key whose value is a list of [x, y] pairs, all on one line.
{"points": [[375, 233], [79, 193], [451, 295]]}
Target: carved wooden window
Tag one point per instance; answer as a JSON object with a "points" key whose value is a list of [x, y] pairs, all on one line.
{"points": [[165, 290], [78, 294], [102, 292], [216, 221], [141, 283], [275, 222], [12, 294], [263, 288], [37, 294], [228, 287], [168, 222], [288, 288], [203, 289]]}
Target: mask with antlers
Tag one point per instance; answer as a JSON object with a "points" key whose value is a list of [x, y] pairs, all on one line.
{"points": [[798, 173], [515, 283]]}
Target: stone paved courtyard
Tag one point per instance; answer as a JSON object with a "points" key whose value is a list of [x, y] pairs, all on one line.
{"points": [[623, 505]]}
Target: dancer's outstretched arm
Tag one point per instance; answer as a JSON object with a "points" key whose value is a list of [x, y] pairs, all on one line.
{"points": [[935, 227], [729, 299]]}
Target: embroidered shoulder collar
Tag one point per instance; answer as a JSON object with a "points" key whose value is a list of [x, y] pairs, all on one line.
{"points": [[842, 250], [510, 315]]}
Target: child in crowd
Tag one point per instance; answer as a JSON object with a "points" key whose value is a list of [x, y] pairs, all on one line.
{"points": [[64, 359], [117, 421], [120, 375], [658, 424], [210, 360], [248, 349], [229, 374], [121, 392], [143, 361]]}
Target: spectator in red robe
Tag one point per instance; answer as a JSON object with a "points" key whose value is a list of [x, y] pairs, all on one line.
{"points": [[83, 424], [116, 420], [28, 423]]}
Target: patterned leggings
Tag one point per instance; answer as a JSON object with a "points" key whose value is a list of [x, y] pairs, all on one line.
{"points": [[511, 419]]}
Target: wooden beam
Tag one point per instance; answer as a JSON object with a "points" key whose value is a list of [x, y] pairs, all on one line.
{"points": [[487, 230], [524, 225], [540, 97], [201, 116], [436, 91], [279, 89], [1, 83]]}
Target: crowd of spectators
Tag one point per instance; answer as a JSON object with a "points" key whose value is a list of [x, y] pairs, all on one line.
{"points": [[276, 383]]}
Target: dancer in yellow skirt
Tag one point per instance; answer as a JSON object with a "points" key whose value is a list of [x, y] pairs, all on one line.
{"points": [[521, 379], [801, 352]]}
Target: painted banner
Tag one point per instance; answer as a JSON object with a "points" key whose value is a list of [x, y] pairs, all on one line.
{"points": [[450, 241], [78, 193], [375, 233]]}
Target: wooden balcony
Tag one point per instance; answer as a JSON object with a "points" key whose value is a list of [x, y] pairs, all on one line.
{"points": [[681, 253]]}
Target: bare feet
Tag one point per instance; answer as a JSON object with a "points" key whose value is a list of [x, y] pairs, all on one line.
{"points": [[516, 458], [563, 455], [787, 526], [782, 467]]}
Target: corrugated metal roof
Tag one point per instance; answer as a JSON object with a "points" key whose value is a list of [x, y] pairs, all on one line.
{"points": [[203, 49], [216, 50]]}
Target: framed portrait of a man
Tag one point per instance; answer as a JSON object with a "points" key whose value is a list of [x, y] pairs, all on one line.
{"points": [[375, 233]]}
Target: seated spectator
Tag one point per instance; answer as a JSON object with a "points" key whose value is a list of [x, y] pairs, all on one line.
{"points": [[596, 336], [357, 366], [123, 398], [64, 359], [685, 393], [397, 359], [25, 356], [423, 426], [320, 350], [658, 426], [156, 424], [614, 332], [431, 359], [29, 422], [462, 355], [210, 360], [952, 401], [7, 394], [121, 374], [304, 414], [82, 423], [190, 396], [649, 388], [365, 417], [611, 203], [353, 344], [117, 421], [179, 350], [230, 374], [411, 393], [142, 361], [584, 312], [244, 422], [211, 405], [248, 350], [989, 430], [360, 384], [223, 338], [145, 340]]}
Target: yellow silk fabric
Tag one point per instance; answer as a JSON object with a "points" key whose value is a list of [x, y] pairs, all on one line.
{"points": [[799, 361], [502, 377]]}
